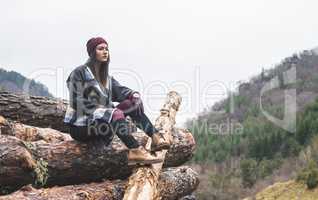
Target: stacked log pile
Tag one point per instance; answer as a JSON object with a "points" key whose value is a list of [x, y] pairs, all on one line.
{"points": [[38, 160]]}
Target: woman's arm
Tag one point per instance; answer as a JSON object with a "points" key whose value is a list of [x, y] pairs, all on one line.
{"points": [[84, 104], [120, 92]]}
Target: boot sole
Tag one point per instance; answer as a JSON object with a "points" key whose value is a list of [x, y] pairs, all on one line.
{"points": [[143, 162]]}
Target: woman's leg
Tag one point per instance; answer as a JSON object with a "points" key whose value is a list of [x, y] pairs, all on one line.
{"points": [[101, 130], [122, 129], [139, 118], [106, 131], [137, 153], [142, 121]]}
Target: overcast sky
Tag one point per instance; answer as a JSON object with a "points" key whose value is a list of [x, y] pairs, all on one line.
{"points": [[156, 46]]}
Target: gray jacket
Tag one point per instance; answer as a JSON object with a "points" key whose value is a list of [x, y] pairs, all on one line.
{"points": [[88, 100]]}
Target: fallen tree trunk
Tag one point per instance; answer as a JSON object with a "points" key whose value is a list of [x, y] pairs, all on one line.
{"points": [[188, 197], [34, 110], [143, 184], [174, 183], [182, 149], [31, 133], [46, 157], [71, 162]]}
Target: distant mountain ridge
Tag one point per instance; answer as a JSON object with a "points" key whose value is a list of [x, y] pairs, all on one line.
{"points": [[248, 93], [241, 150], [15, 82]]}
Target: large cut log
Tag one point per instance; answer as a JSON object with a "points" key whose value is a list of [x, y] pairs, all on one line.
{"points": [[31, 133], [188, 197], [71, 162], [34, 110], [183, 145], [173, 183], [143, 184]]}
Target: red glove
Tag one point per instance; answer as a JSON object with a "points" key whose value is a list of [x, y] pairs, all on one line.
{"points": [[117, 115], [136, 101]]}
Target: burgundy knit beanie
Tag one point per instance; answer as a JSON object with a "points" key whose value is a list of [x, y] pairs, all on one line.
{"points": [[92, 43]]}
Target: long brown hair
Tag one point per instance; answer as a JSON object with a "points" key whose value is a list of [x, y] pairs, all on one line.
{"points": [[102, 74]]}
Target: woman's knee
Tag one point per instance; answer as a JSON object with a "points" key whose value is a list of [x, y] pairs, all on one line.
{"points": [[129, 108], [125, 105], [123, 131]]}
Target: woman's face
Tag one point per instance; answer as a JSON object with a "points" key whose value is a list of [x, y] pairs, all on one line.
{"points": [[102, 52]]}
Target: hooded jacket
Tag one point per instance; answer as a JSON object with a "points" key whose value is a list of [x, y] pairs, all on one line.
{"points": [[89, 100]]}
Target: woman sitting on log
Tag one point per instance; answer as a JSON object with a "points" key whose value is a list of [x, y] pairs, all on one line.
{"points": [[92, 115]]}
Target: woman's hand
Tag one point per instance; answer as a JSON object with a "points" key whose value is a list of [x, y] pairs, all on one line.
{"points": [[118, 115], [136, 101]]}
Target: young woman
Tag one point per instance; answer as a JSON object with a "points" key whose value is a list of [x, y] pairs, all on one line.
{"points": [[92, 115]]}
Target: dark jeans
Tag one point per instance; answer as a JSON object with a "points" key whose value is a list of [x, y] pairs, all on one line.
{"points": [[101, 130]]}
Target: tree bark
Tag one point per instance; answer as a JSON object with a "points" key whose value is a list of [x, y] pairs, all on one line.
{"points": [[182, 149], [174, 183], [46, 157], [70, 162], [34, 110], [143, 184], [31, 133], [188, 197]]}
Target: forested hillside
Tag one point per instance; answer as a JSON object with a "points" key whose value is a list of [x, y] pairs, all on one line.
{"points": [[239, 150], [12, 81]]}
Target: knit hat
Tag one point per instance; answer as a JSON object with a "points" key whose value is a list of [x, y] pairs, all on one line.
{"points": [[92, 43]]}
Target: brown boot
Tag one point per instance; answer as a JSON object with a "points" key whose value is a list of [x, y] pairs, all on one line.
{"points": [[141, 156], [159, 142]]}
